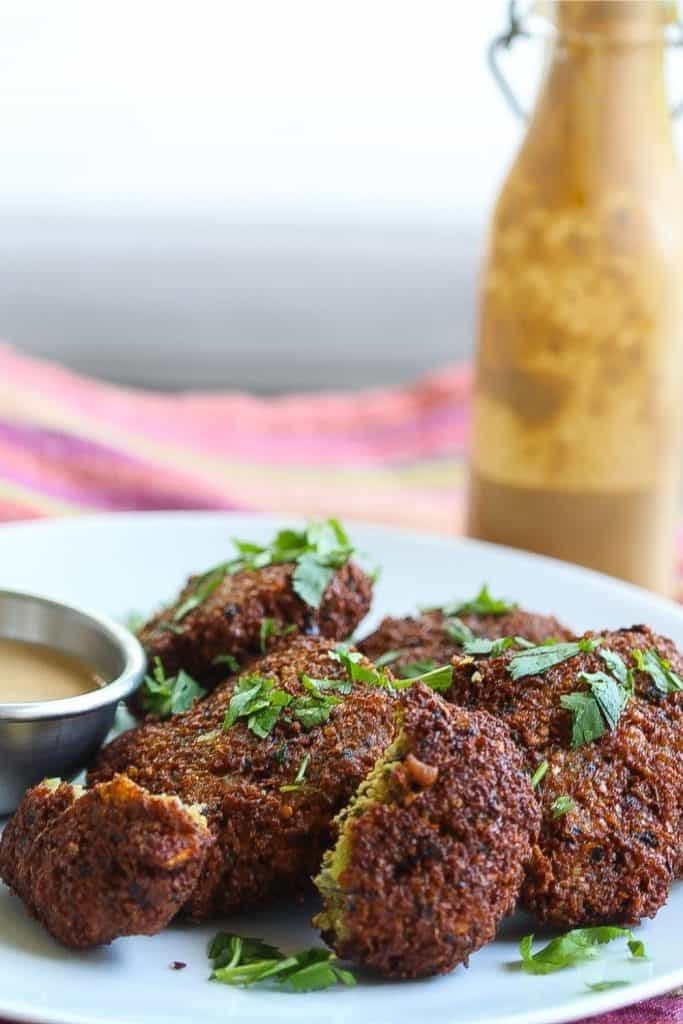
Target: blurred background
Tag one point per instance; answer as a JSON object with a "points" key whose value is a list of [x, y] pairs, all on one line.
{"points": [[249, 194]]}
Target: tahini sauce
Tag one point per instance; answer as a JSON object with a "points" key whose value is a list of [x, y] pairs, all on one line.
{"points": [[31, 672]]}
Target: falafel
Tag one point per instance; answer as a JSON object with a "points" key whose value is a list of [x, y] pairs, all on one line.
{"points": [[427, 640], [610, 848], [431, 850], [269, 799], [229, 619], [94, 865]]}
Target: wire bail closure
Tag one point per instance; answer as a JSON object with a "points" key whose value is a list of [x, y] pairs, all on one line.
{"points": [[516, 29]]}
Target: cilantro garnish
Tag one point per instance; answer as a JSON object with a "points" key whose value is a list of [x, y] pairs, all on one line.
{"points": [[299, 777], [482, 604], [238, 961], [413, 669], [596, 711], [563, 805], [202, 588], [659, 671], [168, 695], [617, 666], [358, 673], [539, 774], [387, 658], [605, 986], [574, 947], [257, 699], [231, 663], [456, 630], [438, 679], [270, 628], [535, 660], [318, 551]]}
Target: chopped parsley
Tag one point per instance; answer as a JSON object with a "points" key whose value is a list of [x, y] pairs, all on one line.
{"points": [[482, 604], [617, 666], [413, 669], [573, 948], [563, 805], [269, 627], [539, 774], [168, 695], [244, 962], [659, 671], [358, 673], [261, 703], [597, 710], [535, 660], [318, 551], [438, 679], [605, 986], [228, 660], [388, 658], [456, 630], [299, 777], [257, 699], [201, 588]]}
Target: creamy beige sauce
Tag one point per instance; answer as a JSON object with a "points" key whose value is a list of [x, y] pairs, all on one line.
{"points": [[30, 672]]}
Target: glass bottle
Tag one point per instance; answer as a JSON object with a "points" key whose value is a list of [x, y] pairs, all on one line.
{"points": [[577, 410]]}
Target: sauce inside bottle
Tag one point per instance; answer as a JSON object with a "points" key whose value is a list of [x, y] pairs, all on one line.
{"points": [[34, 672], [577, 415]]}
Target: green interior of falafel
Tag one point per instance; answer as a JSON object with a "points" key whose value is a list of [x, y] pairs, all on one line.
{"points": [[374, 789]]}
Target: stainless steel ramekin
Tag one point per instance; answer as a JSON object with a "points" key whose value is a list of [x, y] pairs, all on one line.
{"points": [[59, 737]]}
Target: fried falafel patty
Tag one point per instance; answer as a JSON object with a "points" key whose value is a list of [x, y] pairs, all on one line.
{"points": [[269, 799], [93, 865], [229, 619], [609, 849], [422, 641], [431, 850]]}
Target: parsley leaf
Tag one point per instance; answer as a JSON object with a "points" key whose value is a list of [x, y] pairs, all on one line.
{"points": [[610, 696], [258, 700], [387, 658], [270, 628], [231, 663], [314, 710], [605, 986], [572, 948], [201, 588], [659, 670], [316, 686], [415, 668], [438, 679], [563, 805], [481, 646], [456, 630], [482, 604], [539, 774], [238, 961], [587, 723], [536, 660], [617, 666], [168, 695], [299, 777]]}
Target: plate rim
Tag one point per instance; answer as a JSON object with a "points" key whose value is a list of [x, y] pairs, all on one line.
{"points": [[583, 1005]]}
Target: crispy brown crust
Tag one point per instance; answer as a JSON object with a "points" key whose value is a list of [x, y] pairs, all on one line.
{"points": [[269, 842], [611, 859], [229, 620], [116, 861], [432, 871], [422, 638]]}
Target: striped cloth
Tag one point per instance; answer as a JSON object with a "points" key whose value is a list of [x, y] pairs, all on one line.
{"points": [[71, 445]]}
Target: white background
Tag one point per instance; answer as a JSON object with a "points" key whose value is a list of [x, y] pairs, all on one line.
{"points": [[248, 192]]}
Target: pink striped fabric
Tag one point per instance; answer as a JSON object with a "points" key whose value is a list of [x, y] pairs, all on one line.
{"points": [[71, 445]]}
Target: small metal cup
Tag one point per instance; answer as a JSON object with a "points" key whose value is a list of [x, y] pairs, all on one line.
{"points": [[59, 737]]}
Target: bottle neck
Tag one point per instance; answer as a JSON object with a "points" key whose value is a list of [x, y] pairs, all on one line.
{"points": [[602, 114]]}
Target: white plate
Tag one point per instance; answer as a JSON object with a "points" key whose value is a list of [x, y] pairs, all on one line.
{"points": [[133, 562]]}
